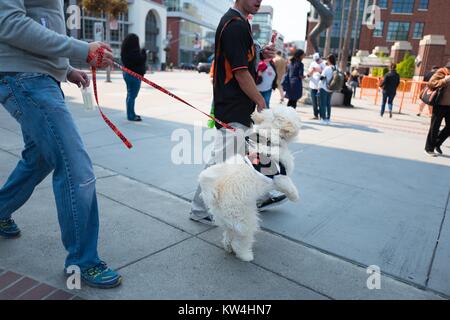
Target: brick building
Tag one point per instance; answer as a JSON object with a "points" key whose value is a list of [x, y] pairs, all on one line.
{"points": [[403, 26]]}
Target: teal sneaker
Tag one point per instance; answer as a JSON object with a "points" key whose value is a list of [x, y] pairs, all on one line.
{"points": [[9, 229], [101, 276]]}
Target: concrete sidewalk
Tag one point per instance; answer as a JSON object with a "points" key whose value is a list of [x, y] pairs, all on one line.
{"points": [[369, 197]]}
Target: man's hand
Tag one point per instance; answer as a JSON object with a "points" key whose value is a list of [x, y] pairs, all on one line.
{"points": [[107, 57], [78, 77], [261, 104], [269, 51]]}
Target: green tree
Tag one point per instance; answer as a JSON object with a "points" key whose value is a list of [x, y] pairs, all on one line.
{"points": [[407, 67], [112, 10]]}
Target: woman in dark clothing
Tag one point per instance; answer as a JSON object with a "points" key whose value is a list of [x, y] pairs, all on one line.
{"points": [[134, 59], [294, 79], [389, 84]]}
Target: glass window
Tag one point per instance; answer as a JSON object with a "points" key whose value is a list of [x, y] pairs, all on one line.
{"points": [[383, 4], [423, 5], [402, 6], [398, 31], [418, 30], [378, 32]]}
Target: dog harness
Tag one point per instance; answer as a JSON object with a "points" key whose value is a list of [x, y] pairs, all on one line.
{"points": [[262, 163]]}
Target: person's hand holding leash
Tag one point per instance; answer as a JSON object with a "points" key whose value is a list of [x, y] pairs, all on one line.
{"points": [[107, 58], [80, 78]]}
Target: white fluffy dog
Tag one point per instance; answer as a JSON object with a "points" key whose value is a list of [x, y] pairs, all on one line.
{"points": [[231, 189]]}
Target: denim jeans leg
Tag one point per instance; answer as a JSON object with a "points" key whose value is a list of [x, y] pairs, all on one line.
{"points": [[323, 104], [29, 172], [328, 105], [48, 122], [383, 103], [133, 88], [315, 103]]}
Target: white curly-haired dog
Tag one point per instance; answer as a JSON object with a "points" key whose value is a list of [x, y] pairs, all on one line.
{"points": [[231, 189]]}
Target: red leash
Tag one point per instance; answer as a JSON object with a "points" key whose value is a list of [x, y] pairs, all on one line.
{"points": [[99, 54], [158, 87]]}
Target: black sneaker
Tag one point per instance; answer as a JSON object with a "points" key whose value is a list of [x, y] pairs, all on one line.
{"points": [[439, 150], [390, 114], [272, 202], [9, 229]]}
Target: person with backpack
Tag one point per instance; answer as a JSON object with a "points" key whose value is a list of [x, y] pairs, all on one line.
{"points": [[329, 80], [266, 80], [440, 82], [389, 84], [294, 79]]}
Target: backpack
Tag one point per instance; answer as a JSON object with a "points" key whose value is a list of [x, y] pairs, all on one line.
{"points": [[337, 81]]}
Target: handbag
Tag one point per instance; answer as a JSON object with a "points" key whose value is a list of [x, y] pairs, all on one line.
{"points": [[430, 96]]}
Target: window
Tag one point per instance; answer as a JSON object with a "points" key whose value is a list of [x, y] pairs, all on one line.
{"points": [[402, 6], [398, 31], [378, 32], [418, 30], [423, 5], [383, 4]]}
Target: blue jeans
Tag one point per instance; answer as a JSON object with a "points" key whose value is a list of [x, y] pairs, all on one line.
{"points": [[389, 98], [325, 104], [133, 88], [315, 102], [52, 143], [267, 95]]}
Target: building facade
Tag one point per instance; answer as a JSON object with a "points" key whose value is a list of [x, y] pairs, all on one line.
{"points": [[403, 24], [191, 28], [408, 21], [146, 18], [338, 6], [262, 25]]}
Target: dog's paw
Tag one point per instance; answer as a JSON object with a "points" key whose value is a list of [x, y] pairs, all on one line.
{"points": [[245, 256], [294, 196], [227, 246]]}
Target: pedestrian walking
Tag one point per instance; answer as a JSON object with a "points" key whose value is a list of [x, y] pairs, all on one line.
{"points": [[295, 75], [235, 94], [435, 139], [280, 67], [133, 58], [389, 84], [314, 73], [34, 59]]}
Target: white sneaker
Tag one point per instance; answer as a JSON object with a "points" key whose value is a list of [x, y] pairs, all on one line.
{"points": [[430, 153]]}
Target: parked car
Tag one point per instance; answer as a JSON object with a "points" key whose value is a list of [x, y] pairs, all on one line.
{"points": [[204, 67], [188, 66]]}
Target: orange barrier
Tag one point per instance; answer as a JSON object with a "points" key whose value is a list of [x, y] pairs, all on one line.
{"points": [[409, 90]]}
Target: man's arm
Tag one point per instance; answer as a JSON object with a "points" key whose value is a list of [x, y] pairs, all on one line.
{"points": [[439, 80], [248, 85], [20, 31]]}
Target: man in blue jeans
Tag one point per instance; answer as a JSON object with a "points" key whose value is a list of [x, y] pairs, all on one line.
{"points": [[34, 59]]}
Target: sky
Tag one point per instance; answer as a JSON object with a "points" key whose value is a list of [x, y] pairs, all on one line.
{"points": [[290, 17]]}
